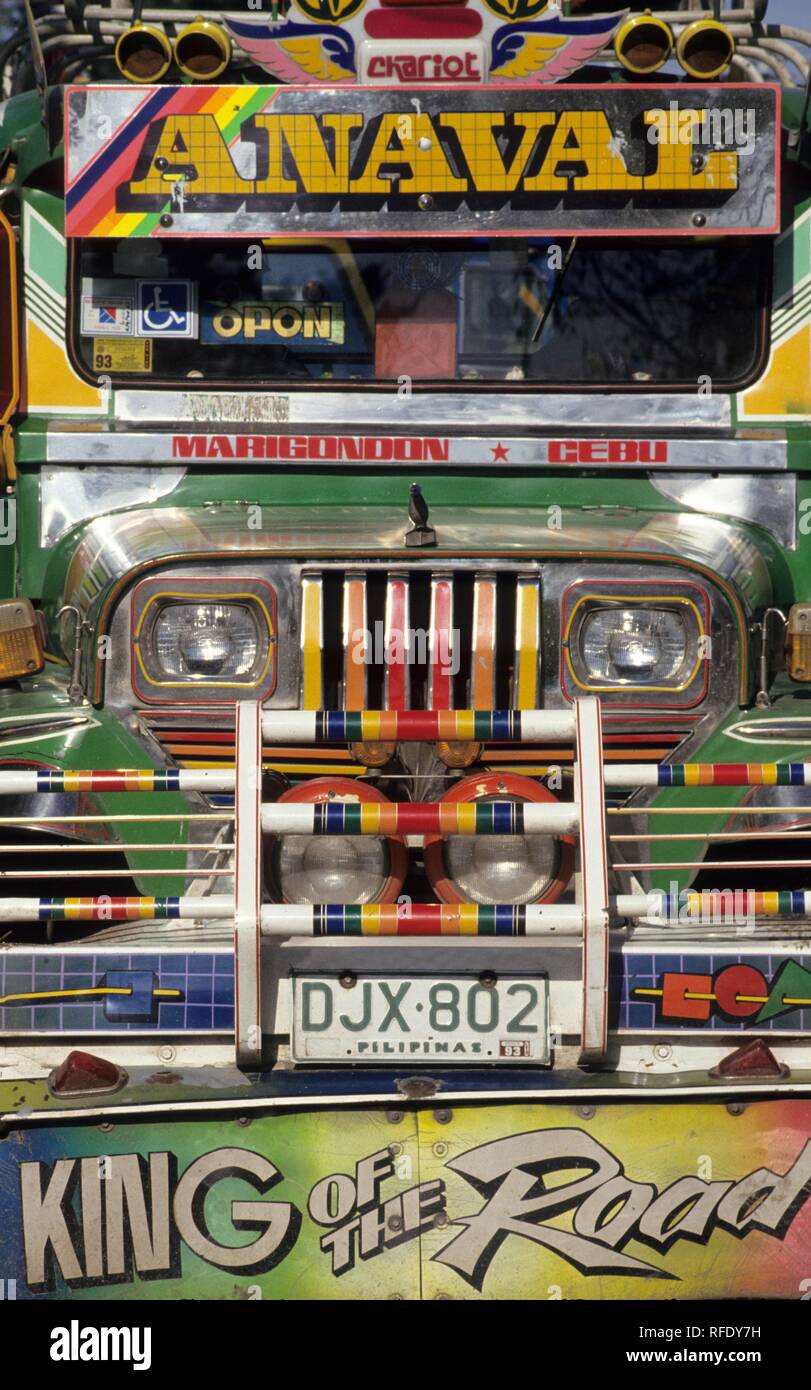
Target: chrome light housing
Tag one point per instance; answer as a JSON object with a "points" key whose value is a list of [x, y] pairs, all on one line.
{"points": [[201, 635], [654, 640]]}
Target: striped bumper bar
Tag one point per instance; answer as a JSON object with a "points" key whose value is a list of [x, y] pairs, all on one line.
{"points": [[587, 919]]}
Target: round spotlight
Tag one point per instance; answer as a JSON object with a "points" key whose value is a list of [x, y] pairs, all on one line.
{"points": [[202, 50], [705, 48], [499, 868], [336, 868], [143, 54], [643, 43]]}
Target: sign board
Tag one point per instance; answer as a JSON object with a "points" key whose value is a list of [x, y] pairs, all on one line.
{"points": [[650, 1201], [383, 161]]}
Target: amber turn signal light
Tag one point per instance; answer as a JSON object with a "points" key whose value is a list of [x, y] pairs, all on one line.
{"points": [[798, 642], [21, 649]]}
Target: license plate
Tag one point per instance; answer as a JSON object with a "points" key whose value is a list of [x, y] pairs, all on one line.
{"points": [[436, 1018]]}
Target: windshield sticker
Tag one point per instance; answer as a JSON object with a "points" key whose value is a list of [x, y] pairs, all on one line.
{"points": [[110, 314], [428, 161], [165, 309], [286, 321], [122, 355]]}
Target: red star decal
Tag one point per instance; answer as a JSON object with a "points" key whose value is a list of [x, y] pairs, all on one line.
{"points": [[499, 453]]}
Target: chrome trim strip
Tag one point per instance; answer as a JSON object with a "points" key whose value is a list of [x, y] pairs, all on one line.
{"points": [[571, 449], [516, 411]]}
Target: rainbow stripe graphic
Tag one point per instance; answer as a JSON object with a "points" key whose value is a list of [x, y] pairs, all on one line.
{"points": [[90, 198], [103, 909], [92, 780]]}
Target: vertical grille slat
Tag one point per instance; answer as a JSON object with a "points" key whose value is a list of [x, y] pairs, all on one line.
{"points": [[527, 642], [355, 656], [440, 643], [397, 674], [483, 644], [312, 641]]}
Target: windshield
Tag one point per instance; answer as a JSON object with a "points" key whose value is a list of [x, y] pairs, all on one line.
{"points": [[622, 312]]}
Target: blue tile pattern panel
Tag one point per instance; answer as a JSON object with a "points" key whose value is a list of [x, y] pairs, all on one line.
{"points": [[44, 991], [716, 992]]}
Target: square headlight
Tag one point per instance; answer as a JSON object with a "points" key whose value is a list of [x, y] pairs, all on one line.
{"points": [[192, 636], [653, 641]]}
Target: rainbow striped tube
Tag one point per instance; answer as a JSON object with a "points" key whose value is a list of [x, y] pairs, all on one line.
{"points": [[394, 919], [718, 905], [410, 726], [109, 909], [170, 779], [709, 775], [419, 818]]}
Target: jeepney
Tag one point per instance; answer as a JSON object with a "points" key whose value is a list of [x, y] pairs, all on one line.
{"points": [[405, 649]]}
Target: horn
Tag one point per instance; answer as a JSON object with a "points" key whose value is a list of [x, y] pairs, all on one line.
{"points": [[202, 50], [705, 48], [643, 43], [143, 53]]}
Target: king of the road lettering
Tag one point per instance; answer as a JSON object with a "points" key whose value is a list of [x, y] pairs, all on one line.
{"points": [[451, 155], [98, 1221]]}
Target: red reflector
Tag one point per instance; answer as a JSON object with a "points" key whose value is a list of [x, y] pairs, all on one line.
{"points": [[81, 1072], [752, 1059]]}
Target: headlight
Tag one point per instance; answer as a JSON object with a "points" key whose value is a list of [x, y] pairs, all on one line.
{"points": [[498, 868], [189, 636], [336, 868], [633, 644], [624, 642], [193, 641]]}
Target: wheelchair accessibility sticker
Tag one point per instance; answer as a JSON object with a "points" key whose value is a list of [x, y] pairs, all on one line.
{"points": [[165, 309]]}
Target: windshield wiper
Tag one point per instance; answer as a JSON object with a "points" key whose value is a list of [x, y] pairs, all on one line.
{"points": [[543, 317]]}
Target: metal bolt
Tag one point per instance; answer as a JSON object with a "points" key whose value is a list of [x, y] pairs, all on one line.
{"points": [[106, 1127], [244, 1120], [440, 1150], [425, 202], [398, 1296], [444, 1296], [488, 979], [663, 1052], [698, 162], [395, 1223], [167, 1053], [167, 220], [586, 1112], [699, 220], [425, 142], [441, 1218], [443, 1117], [735, 1107], [395, 1150], [394, 1117], [347, 980]]}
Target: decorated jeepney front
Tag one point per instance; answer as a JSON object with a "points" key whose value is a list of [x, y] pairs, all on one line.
{"points": [[410, 463]]}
